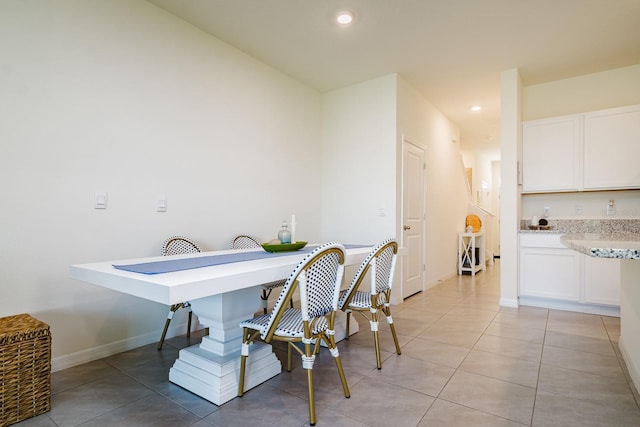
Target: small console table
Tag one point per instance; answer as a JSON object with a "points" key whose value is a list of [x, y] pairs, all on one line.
{"points": [[471, 252]]}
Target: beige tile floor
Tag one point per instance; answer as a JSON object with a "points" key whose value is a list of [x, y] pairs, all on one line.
{"points": [[465, 362]]}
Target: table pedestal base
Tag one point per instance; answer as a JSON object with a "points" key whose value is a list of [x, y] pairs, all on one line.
{"points": [[216, 378], [211, 369]]}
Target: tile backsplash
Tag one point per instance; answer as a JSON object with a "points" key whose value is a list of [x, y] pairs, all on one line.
{"points": [[583, 205]]}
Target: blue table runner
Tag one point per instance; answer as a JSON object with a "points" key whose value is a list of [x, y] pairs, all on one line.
{"points": [[170, 265]]}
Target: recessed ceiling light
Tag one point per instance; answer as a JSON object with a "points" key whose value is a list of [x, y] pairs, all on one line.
{"points": [[476, 108], [344, 17]]}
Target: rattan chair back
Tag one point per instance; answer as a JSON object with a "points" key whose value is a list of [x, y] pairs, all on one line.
{"points": [[243, 241], [380, 263], [318, 278], [177, 245]]}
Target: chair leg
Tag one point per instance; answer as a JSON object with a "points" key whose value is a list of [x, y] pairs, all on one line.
{"points": [[243, 364], [164, 333], [172, 310], [188, 306], [243, 361], [348, 324], [265, 299], [333, 348], [376, 336], [289, 356], [387, 312], [312, 404]]}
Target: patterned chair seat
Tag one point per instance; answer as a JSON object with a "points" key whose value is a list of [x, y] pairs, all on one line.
{"points": [[290, 324]]}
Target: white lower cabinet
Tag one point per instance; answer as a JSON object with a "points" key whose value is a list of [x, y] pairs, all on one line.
{"points": [[601, 280], [550, 273], [554, 276]]}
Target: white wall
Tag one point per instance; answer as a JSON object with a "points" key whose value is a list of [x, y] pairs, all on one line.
{"points": [[363, 126], [446, 184], [589, 92], [608, 89], [495, 205], [482, 179], [359, 162], [359, 165], [122, 97], [510, 205]]}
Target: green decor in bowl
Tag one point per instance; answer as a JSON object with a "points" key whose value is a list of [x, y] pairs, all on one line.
{"points": [[284, 247]]}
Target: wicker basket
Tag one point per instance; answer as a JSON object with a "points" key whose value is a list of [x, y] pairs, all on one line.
{"points": [[25, 368]]}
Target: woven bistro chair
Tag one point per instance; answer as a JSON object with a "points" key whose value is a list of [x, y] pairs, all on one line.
{"points": [[244, 241], [318, 278], [177, 245], [380, 264]]}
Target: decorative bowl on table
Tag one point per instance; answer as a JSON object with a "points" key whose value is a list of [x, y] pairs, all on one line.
{"points": [[283, 247]]}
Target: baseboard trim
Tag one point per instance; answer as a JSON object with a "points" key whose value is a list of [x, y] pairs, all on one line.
{"points": [[508, 302], [105, 350], [602, 310], [632, 370]]}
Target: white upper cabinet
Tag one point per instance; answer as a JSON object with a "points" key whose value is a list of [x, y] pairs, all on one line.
{"points": [[612, 149], [551, 154], [591, 151]]}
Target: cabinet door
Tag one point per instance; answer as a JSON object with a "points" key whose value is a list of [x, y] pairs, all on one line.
{"points": [[550, 273], [602, 280], [551, 153], [612, 149]]}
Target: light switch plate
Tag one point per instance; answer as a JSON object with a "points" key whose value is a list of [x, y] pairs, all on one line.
{"points": [[161, 203], [100, 200]]}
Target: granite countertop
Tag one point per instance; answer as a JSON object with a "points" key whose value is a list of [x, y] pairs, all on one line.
{"points": [[596, 237], [586, 225], [550, 231], [604, 245]]}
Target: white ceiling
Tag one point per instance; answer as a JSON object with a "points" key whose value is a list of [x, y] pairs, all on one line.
{"points": [[452, 51]]}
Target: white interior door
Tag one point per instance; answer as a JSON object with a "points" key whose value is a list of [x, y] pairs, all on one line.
{"points": [[413, 217]]}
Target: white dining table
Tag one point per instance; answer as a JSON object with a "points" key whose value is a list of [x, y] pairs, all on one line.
{"points": [[221, 296]]}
